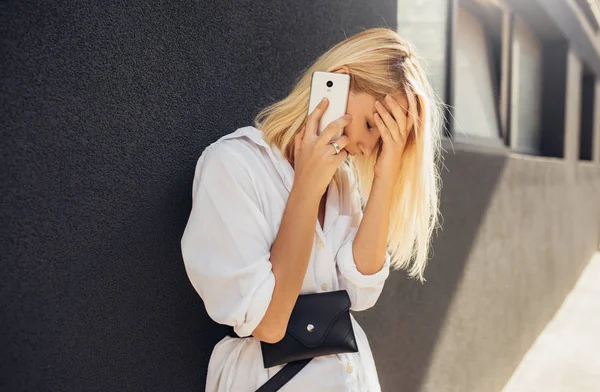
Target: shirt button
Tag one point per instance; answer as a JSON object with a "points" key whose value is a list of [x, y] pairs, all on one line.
{"points": [[349, 368], [324, 286], [321, 243]]}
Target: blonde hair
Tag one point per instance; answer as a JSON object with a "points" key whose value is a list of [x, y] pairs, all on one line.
{"points": [[380, 63]]}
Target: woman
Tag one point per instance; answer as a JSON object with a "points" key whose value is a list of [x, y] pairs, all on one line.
{"points": [[277, 211]]}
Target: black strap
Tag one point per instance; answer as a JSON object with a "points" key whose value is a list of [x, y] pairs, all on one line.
{"points": [[284, 375]]}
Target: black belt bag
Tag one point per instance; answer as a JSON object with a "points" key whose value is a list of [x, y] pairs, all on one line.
{"points": [[319, 325]]}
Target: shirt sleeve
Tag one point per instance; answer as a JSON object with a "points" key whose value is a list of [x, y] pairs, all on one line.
{"points": [[364, 290], [226, 242]]}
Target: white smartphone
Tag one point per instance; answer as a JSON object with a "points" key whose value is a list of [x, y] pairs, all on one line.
{"points": [[334, 86]]}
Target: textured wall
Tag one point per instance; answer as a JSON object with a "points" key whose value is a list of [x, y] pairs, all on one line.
{"points": [[105, 110]]}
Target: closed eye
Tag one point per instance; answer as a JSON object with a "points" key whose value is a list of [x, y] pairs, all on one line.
{"points": [[368, 126]]}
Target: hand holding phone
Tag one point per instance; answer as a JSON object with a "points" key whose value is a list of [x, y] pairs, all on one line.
{"points": [[315, 158]]}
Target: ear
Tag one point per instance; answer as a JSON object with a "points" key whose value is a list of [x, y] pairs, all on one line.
{"points": [[342, 69]]}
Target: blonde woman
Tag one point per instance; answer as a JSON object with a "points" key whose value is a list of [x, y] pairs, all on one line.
{"points": [[278, 211]]}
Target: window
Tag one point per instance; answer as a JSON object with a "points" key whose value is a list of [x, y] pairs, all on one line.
{"points": [[475, 95], [481, 71], [554, 89]]}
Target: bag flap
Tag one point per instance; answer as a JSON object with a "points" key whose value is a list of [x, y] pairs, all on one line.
{"points": [[314, 314]]}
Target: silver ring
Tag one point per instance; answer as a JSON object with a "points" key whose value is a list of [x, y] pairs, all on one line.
{"points": [[336, 146]]}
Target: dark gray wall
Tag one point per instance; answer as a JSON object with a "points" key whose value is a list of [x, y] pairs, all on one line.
{"points": [[105, 111]]}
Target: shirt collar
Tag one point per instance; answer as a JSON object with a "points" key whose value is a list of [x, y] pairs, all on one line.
{"points": [[284, 168], [286, 172]]}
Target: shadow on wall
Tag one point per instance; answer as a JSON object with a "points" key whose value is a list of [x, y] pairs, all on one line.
{"points": [[404, 326]]}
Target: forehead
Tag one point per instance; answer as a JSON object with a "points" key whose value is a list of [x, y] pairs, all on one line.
{"points": [[367, 101]]}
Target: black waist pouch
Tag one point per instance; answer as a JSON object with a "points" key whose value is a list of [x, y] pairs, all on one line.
{"points": [[319, 325]]}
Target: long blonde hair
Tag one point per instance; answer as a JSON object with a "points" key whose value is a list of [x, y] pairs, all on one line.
{"points": [[380, 63]]}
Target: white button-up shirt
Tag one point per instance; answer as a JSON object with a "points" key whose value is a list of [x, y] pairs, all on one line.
{"points": [[239, 193]]}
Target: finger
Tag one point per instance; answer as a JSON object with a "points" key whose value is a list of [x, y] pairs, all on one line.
{"points": [[389, 121], [301, 135], [399, 113], [341, 157], [312, 121], [301, 132], [298, 141], [386, 136], [342, 141], [334, 127]]}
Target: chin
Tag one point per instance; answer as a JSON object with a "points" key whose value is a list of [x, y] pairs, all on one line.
{"points": [[358, 151]]}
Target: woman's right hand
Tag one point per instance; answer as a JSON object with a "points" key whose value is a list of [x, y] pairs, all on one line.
{"points": [[315, 158]]}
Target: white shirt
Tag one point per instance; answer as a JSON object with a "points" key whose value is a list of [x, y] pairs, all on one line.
{"points": [[239, 193]]}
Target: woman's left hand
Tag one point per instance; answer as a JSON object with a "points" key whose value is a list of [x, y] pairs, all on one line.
{"points": [[394, 124]]}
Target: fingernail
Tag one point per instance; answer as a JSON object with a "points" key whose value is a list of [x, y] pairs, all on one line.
{"points": [[324, 100], [348, 116], [377, 103]]}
